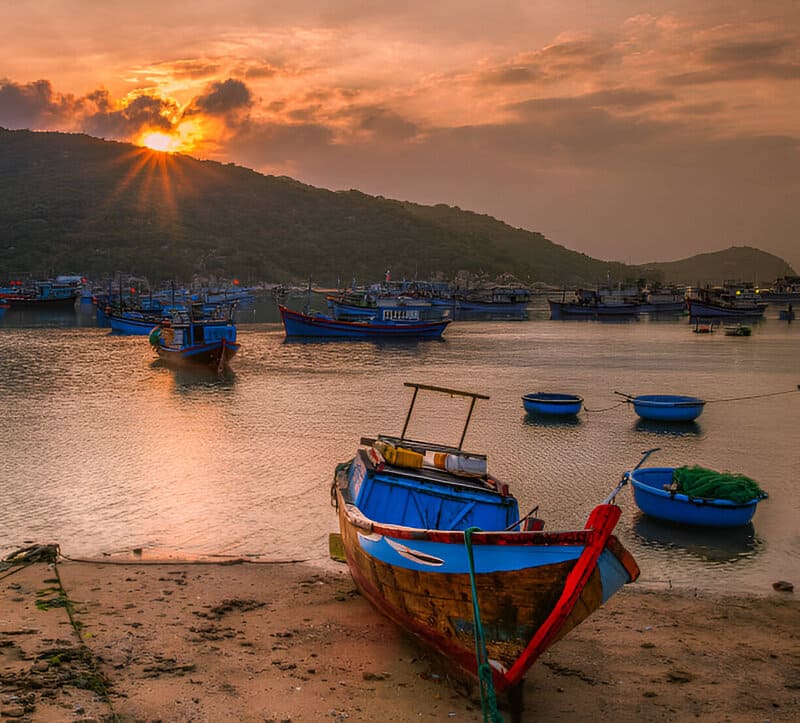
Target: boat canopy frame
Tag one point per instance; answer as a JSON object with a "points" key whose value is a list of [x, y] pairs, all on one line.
{"points": [[474, 396]]}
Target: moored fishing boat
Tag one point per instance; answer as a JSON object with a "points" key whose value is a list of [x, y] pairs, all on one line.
{"points": [[784, 289], [439, 546], [298, 324], [131, 322], [188, 338], [497, 300], [695, 496], [738, 330], [591, 304], [40, 294], [729, 300], [666, 407], [550, 403], [370, 305]]}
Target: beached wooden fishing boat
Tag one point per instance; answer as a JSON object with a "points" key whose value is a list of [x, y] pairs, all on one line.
{"points": [[657, 494], [191, 339], [298, 324], [552, 404], [439, 546]]}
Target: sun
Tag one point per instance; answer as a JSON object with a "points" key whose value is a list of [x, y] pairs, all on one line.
{"points": [[157, 141]]}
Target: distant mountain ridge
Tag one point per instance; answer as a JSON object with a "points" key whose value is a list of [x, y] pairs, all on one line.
{"points": [[738, 263], [73, 203]]}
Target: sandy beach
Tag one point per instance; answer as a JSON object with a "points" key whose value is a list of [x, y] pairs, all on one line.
{"points": [[193, 641]]}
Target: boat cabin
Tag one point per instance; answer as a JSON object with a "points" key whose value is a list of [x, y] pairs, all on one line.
{"points": [[426, 497]]}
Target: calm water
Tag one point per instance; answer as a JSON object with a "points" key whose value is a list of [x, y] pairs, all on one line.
{"points": [[102, 449]]}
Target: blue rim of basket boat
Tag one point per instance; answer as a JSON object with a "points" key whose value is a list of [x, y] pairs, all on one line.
{"points": [[552, 403], [668, 407], [677, 507]]}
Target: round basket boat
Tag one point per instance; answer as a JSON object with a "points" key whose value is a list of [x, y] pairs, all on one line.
{"points": [[651, 498], [668, 407], [552, 404]]}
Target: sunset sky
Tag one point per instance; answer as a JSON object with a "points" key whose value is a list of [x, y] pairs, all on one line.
{"points": [[627, 130]]}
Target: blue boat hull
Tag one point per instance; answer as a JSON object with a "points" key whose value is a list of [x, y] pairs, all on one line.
{"points": [[652, 499], [204, 354], [305, 325], [709, 309], [668, 407], [570, 309], [130, 326], [552, 404]]}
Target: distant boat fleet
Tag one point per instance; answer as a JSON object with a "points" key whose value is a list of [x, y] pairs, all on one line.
{"points": [[389, 310], [731, 300]]}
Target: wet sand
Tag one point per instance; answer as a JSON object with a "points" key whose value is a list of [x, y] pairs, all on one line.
{"points": [[179, 641]]}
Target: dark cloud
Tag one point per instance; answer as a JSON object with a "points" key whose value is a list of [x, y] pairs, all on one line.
{"points": [[384, 124], [266, 145], [193, 69], [750, 71], [553, 63], [142, 113], [701, 109], [512, 75], [305, 114], [34, 106], [578, 55], [259, 71], [745, 52], [229, 100]]}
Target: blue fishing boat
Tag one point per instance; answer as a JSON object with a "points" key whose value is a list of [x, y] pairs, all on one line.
{"points": [[298, 324], [730, 300], [362, 304], [132, 322], [40, 294], [594, 304], [497, 300], [552, 403], [189, 338], [666, 407], [439, 546], [3, 309], [657, 495]]}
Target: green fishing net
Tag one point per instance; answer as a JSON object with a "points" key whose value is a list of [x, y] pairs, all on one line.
{"points": [[696, 481]]}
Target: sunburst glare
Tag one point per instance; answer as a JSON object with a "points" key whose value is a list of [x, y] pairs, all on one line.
{"points": [[158, 141]]}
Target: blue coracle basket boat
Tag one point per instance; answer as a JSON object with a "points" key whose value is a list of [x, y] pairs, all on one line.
{"points": [[648, 490], [668, 407], [552, 403]]}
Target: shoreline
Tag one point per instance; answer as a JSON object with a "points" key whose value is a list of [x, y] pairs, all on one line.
{"points": [[178, 640]]}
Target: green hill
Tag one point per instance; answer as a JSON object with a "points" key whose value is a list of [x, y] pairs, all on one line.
{"points": [[739, 263], [76, 204]]}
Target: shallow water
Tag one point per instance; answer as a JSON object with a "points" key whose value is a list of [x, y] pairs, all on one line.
{"points": [[103, 449]]}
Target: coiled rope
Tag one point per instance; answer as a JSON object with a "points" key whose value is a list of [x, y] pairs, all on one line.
{"points": [[485, 681]]}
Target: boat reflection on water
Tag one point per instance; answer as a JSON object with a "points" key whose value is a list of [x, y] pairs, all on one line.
{"points": [[672, 429], [535, 419], [712, 545], [192, 377]]}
